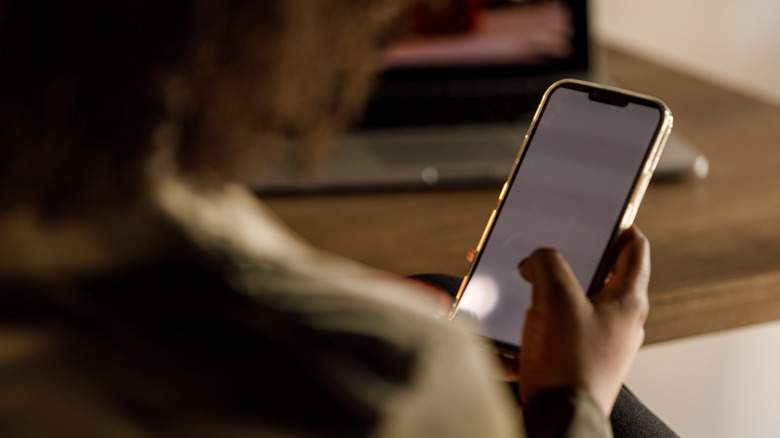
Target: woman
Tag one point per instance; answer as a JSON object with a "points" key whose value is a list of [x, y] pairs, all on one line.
{"points": [[145, 292]]}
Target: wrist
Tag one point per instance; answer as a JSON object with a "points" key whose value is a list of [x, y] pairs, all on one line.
{"points": [[559, 410]]}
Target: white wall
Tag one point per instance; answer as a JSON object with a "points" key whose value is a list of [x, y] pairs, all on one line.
{"points": [[733, 42], [723, 385]]}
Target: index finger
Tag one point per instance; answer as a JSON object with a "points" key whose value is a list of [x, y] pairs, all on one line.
{"points": [[630, 272]]}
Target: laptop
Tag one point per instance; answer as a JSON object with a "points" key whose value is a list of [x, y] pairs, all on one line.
{"points": [[452, 106]]}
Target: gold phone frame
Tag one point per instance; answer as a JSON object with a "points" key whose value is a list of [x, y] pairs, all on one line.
{"points": [[634, 199]]}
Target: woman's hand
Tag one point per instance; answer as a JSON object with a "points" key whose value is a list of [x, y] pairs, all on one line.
{"points": [[570, 339]]}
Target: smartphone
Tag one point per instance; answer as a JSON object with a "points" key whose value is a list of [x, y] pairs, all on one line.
{"points": [[575, 186]]}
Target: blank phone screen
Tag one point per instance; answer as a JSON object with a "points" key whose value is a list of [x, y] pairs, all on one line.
{"points": [[569, 193]]}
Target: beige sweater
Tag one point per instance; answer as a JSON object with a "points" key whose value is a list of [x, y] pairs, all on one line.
{"points": [[244, 330]]}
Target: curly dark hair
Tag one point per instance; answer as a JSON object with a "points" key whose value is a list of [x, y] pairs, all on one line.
{"points": [[90, 89]]}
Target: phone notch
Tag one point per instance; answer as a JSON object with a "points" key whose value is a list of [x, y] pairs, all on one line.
{"points": [[609, 97]]}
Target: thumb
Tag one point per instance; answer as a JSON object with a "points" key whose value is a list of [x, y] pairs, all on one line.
{"points": [[551, 278]]}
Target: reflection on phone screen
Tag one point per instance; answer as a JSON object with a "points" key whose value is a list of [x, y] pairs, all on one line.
{"points": [[569, 193]]}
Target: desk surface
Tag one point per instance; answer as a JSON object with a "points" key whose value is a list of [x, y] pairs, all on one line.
{"points": [[715, 242]]}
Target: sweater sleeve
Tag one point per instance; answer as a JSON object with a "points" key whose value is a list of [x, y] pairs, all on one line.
{"points": [[565, 412]]}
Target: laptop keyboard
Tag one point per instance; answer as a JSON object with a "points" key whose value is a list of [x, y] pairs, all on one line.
{"points": [[439, 112], [446, 104]]}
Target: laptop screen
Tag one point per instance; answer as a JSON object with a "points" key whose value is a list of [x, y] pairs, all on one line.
{"points": [[523, 36], [459, 64], [474, 33]]}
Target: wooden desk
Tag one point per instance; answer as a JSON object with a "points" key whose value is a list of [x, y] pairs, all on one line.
{"points": [[716, 242]]}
